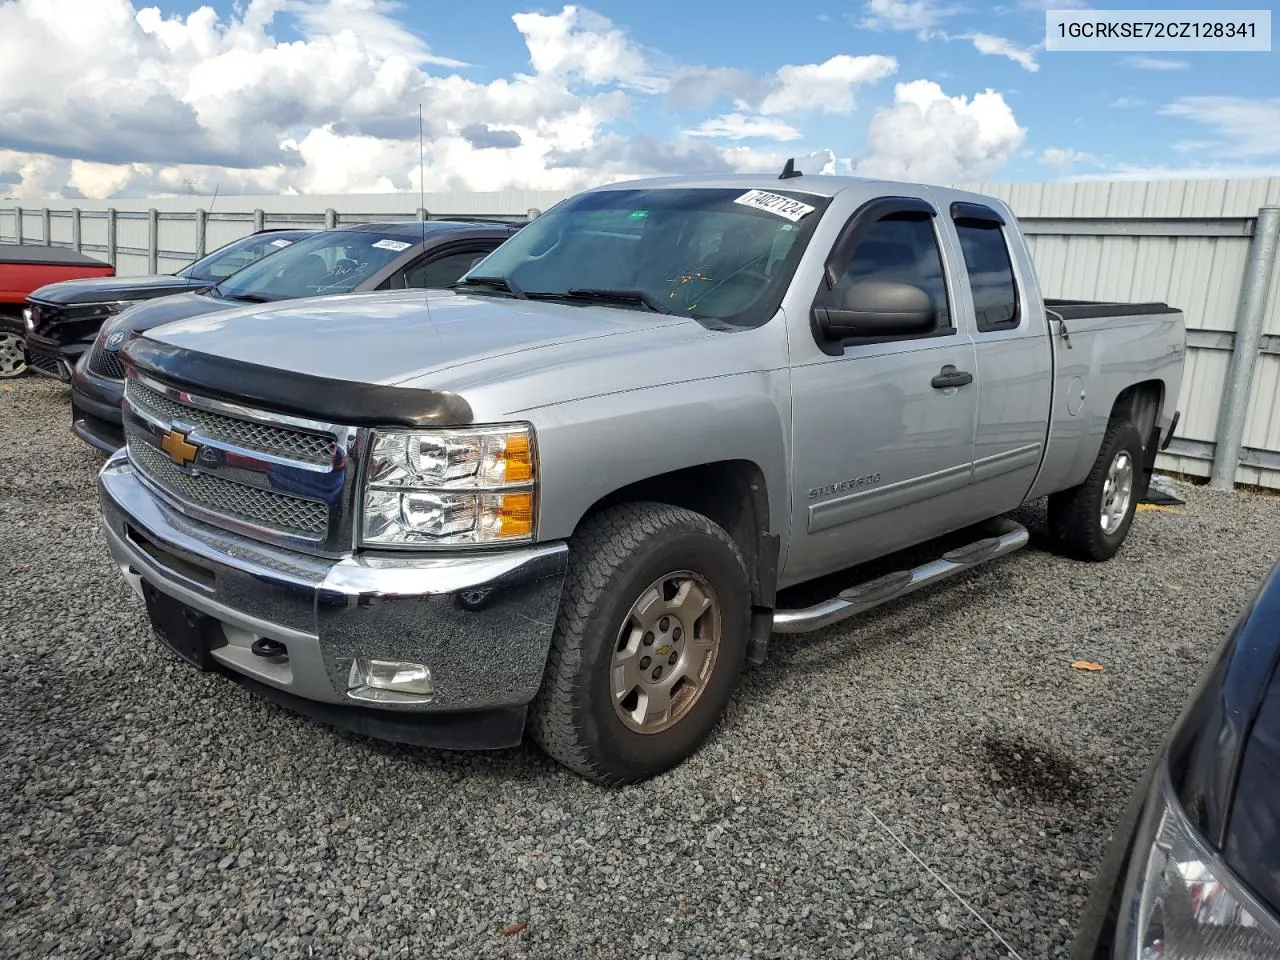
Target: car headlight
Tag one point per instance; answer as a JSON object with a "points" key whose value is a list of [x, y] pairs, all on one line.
{"points": [[450, 487], [1182, 899]]}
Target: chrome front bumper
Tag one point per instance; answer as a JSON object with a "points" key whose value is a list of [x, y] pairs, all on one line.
{"points": [[329, 611]]}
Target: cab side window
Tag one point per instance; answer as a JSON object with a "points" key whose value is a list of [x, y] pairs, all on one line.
{"points": [[903, 249], [442, 271], [990, 270]]}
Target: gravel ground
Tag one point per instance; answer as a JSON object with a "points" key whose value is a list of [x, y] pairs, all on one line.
{"points": [[147, 811]]}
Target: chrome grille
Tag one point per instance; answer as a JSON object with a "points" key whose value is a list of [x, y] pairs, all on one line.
{"points": [[261, 437], [263, 508], [104, 362]]}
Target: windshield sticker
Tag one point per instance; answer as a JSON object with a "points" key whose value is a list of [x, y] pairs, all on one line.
{"points": [[792, 210], [396, 245], [281, 243], [638, 214]]}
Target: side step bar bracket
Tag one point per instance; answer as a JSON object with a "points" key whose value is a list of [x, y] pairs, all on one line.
{"points": [[1005, 537]]}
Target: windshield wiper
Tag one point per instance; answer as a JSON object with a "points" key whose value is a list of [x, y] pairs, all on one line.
{"points": [[246, 297], [498, 283], [618, 296]]}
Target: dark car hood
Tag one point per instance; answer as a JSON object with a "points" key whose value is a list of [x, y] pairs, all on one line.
{"points": [[152, 313], [109, 289]]}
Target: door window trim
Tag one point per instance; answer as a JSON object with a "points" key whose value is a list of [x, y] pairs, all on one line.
{"points": [[860, 222], [982, 217]]}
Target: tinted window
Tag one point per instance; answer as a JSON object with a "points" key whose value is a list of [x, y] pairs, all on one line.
{"points": [[442, 271], [235, 256], [333, 261], [704, 252], [986, 260], [902, 250]]}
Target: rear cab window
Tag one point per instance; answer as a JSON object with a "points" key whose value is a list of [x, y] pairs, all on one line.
{"points": [[988, 266]]}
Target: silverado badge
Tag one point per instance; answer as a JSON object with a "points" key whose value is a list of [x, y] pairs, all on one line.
{"points": [[180, 451]]}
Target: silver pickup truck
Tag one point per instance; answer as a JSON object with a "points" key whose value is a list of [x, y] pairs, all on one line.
{"points": [[571, 493]]}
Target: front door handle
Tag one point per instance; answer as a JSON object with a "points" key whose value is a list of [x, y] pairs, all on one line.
{"points": [[951, 377]]}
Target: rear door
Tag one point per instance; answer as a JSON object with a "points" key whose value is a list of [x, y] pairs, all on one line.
{"points": [[881, 457], [1014, 364]]}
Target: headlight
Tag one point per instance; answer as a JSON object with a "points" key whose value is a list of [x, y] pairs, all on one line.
{"points": [[1183, 900], [450, 487]]}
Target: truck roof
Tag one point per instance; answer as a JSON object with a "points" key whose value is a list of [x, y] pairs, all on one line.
{"points": [[821, 185]]}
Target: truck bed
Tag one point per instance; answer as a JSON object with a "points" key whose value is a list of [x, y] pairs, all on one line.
{"points": [[1100, 309]]}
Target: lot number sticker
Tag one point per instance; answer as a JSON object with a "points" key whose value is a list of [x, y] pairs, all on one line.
{"points": [[793, 210], [396, 245], [281, 243]]}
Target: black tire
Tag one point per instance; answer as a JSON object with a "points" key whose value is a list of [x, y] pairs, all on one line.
{"points": [[613, 558], [1075, 514]]}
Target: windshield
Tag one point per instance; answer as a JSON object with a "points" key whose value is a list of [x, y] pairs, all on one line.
{"points": [[724, 254], [235, 256], [333, 261]]}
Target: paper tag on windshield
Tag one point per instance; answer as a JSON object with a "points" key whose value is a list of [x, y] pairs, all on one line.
{"points": [[792, 210], [281, 243], [396, 245]]}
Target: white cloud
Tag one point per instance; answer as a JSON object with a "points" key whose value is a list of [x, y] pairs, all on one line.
{"points": [[1062, 157], [736, 126], [825, 87], [918, 16], [1141, 62], [1127, 102], [159, 102], [579, 43], [926, 135], [1000, 47], [1041, 5], [1248, 127]]}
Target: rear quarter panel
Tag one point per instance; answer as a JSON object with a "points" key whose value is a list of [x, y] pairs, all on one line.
{"points": [[1106, 355]]}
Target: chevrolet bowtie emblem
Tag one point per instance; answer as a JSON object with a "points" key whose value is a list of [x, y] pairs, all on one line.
{"points": [[180, 451]]}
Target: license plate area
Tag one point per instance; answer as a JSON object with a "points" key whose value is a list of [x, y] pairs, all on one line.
{"points": [[190, 634]]}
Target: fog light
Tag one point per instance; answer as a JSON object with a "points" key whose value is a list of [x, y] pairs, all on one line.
{"points": [[390, 681]]}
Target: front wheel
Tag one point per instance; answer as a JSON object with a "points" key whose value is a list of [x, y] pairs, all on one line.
{"points": [[1091, 521], [648, 645], [13, 355]]}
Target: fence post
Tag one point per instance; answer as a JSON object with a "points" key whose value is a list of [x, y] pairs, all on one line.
{"points": [[153, 241], [330, 218], [17, 225], [533, 213], [75, 230], [422, 214], [46, 226], [111, 236], [202, 219], [259, 220], [1250, 317]]}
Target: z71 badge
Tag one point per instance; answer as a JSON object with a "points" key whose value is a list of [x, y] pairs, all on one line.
{"points": [[844, 486]]}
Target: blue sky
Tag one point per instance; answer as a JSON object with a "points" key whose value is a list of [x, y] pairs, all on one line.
{"points": [[316, 95]]}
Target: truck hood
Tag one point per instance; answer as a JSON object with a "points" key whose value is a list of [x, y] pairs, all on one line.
{"points": [[149, 314], [415, 335], [110, 289]]}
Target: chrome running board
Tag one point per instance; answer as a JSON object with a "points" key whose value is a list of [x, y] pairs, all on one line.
{"points": [[1006, 537]]}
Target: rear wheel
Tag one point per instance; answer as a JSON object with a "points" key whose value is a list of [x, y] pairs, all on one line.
{"points": [[648, 645], [1091, 521], [13, 355]]}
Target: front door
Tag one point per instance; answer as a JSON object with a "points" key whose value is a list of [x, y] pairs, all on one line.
{"points": [[882, 447]]}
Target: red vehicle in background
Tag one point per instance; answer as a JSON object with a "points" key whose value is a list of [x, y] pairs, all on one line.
{"points": [[23, 269]]}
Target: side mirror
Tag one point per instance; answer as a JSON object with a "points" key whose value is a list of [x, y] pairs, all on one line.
{"points": [[878, 308]]}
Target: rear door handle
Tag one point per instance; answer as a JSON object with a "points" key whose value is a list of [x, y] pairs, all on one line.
{"points": [[951, 377]]}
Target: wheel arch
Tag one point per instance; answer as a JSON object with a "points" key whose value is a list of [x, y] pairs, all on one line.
{"points": [[734, 494]]}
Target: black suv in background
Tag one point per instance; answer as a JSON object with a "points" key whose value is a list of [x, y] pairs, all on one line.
{"points": [[63, 318], [1193, 870], [361, 257]]}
